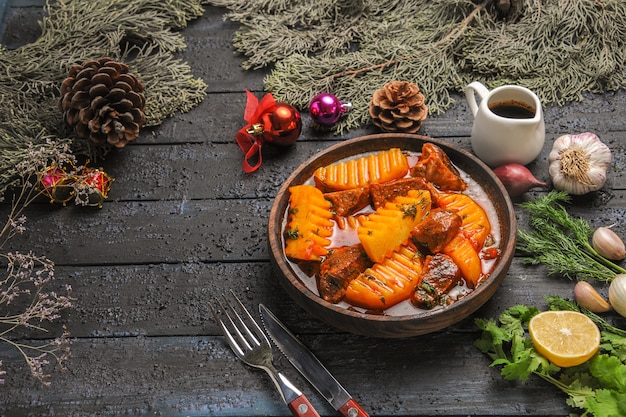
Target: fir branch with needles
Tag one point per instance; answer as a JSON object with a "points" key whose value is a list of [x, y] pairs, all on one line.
{"points": [[145, 34], [354, 47]]}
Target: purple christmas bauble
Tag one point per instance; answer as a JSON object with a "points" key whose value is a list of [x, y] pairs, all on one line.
{"points": [[326, 109]]}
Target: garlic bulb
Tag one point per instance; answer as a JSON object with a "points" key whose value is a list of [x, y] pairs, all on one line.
{"points": [[578, 163], [617, 294]]}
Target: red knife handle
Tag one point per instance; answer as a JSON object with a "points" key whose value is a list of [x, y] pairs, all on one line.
{"points": [[301, 407], [352, 409]]}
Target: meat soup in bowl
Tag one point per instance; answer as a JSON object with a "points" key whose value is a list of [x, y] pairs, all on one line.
{"points": [[392, 235]]}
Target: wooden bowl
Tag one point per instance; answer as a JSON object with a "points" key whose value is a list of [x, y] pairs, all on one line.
{"points": [[419, 321]]}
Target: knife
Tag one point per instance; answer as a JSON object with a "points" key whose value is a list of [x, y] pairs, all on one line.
{"points": [[309, 366]]}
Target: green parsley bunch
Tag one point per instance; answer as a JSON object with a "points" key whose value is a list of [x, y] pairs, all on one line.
{"points": [[597, 387]]}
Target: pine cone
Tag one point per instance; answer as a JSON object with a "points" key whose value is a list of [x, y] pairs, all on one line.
{"points": [[103, 102], [398, 107]]}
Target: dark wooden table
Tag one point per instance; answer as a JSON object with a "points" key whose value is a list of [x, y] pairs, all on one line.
{"points": [[184, 223]]}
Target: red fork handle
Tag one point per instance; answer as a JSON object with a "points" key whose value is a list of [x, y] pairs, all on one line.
{"points": [[301, 407]]}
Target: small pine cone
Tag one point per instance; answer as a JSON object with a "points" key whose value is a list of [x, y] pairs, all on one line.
{"points": [[398, 107], [103, 102]]}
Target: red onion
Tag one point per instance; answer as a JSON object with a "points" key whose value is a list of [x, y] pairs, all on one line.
{"points": [[517, 179]]}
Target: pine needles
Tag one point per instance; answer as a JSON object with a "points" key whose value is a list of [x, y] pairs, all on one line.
{"points": [[559, 49], [143, 33]]}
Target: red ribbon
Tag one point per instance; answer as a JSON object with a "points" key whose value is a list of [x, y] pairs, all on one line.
{"points": [[251, 143]]}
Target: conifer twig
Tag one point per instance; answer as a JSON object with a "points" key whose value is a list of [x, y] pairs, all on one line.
{"points": [[454, 33], [441, 45], [143, 33]]}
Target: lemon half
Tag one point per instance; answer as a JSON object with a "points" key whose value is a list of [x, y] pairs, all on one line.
{"points": [[565, 338]]}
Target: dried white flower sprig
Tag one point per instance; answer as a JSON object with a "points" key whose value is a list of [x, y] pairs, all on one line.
{"points": [[25, 303]]}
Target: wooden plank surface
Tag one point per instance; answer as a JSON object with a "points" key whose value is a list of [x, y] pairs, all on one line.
{"points": [[173, 231], [184, 223]]}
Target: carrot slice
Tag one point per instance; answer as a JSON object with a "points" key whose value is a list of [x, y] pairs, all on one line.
{"points": [[462, 252], [376, 168], [476, 226], [388, 283], [390, 226], [308, 224]]}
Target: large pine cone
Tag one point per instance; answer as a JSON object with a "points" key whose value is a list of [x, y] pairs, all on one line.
{"points": [[103, 102], [398, 107]]}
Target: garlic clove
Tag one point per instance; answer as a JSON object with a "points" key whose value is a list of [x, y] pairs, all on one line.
{"points": [[617, 294], [587, 296], [608, 244]]}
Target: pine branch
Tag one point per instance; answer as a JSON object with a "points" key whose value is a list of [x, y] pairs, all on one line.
{"points": [[143, 33], [559, 49], [438, 45]]}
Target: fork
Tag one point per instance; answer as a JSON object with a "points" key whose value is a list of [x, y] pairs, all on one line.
{"points": [[252, 346]]}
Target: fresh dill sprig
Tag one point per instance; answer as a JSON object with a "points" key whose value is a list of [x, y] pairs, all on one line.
{"points": [[561, 242]]}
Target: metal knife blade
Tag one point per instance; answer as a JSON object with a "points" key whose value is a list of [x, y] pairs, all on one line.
{"points": [[309, 366]]}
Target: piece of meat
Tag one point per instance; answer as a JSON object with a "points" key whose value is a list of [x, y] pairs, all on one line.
{"points": [[348, 202], [382, 193], [436, 229], [340, 267], [435, 166], [441, 274]]}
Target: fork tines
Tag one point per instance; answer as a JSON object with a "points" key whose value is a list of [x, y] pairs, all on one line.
{"points": [[240, 328]]}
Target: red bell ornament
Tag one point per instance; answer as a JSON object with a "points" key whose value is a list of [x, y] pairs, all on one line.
{"points": [[268, 121]]}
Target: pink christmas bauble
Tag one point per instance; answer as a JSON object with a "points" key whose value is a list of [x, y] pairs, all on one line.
{"points": [[326, 109]]}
